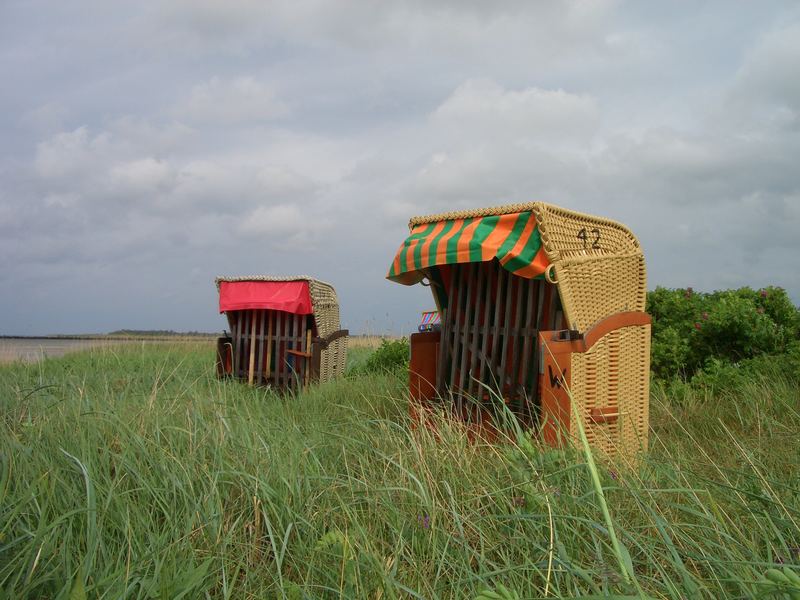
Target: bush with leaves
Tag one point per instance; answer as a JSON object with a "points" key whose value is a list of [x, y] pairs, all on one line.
{"points": [[720, 375], [693, 330], [390, 356]]}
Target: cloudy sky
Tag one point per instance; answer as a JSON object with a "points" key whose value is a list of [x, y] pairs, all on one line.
{"points": [[146, 147]]}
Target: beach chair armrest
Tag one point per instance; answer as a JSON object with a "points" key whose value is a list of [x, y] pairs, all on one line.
{"points": [[323, 342]]}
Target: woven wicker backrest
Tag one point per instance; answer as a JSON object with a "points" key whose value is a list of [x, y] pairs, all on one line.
{"points": [[598, 264], [614, 374], [326, 317]]}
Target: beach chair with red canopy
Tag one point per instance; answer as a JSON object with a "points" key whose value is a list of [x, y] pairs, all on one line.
{"points": [[284, 331]]}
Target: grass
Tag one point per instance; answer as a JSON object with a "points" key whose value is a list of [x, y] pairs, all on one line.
{"points": [[133, 473]]}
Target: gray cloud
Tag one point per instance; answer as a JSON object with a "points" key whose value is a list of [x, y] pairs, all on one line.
{"points": [[150, 150]]}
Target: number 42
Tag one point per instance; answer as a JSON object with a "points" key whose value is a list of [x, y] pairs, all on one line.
{"points": [[583, 235]]}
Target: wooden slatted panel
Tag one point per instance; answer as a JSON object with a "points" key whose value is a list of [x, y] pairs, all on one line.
{"points": [[483, 360], [463, 341], [279, 360], [287, 345], [262, 317], [517, 342], [506, 331], [528, 377], [489, 337], [233, 321], [296, 361], [457, 298], [268, 335], [268, 370], [473, 389], [238, 341], [494, 357], [443, 376]]}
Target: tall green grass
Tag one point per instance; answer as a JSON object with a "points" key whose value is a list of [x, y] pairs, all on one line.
{"points": [[134, 473]]}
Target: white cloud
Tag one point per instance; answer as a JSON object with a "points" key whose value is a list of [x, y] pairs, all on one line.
{"points": [[482, 107], [289, 227], [238, 100], [417, 29], [143, 176], [70, 153], [278, 219]]}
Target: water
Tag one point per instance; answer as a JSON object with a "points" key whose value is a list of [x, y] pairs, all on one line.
{"points": [[34, 349]]}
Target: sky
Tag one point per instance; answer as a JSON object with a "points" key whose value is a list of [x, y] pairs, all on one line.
{"points": [[147, 147]]}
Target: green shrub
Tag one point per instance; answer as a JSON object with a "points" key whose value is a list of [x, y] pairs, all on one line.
{"points": [[692, 330], [390, 356], [718, 375]]}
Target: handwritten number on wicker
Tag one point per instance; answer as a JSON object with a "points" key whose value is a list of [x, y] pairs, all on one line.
{"points": [[555, 380], [584, 236]]}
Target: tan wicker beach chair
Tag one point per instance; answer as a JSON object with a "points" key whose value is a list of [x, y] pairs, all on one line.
{"points": [[284, 331], [541, 307]]}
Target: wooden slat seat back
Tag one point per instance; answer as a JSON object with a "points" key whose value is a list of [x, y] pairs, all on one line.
{"points": [[489, 339], [271, 347]]}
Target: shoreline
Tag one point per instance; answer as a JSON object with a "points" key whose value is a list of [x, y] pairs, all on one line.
{"points": [[100, 336]]}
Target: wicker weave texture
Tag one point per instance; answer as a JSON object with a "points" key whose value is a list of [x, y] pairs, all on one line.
{"points": [[325, 303], [567, 233], [598, 264], [473, 213], [326, 316], [222, 278], [614, 374], [595, 287], [559, 228]]}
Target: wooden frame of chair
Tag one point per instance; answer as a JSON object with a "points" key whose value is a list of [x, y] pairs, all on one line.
{"points": [[269, 347], [488, 341]]}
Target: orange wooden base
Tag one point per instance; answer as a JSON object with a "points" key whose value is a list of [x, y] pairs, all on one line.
{"points": [[554, 355]]}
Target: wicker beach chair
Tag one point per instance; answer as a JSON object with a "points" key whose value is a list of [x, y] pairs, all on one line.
{"points": [[540, 306], [284, 331]]}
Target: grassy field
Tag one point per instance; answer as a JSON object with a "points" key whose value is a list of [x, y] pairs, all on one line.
{"points": [[134, 473]]}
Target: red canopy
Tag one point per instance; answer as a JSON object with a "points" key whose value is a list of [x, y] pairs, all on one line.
{"points": [[288, 296]]}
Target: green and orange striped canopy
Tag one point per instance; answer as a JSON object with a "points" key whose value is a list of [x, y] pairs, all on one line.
{"points": [[512, 238]]}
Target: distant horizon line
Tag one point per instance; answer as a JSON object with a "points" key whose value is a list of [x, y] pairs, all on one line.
{"points": [[139, 335]]}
